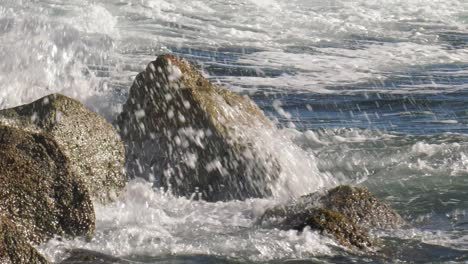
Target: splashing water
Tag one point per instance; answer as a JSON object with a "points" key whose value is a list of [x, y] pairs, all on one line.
{"points": [[369, 92], [177, 226]]}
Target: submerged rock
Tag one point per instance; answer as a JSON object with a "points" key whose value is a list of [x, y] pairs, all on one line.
{"points": [[15, 248], [345, 213], [188, 133], [92, 146], [39, 192], [83, 256]]}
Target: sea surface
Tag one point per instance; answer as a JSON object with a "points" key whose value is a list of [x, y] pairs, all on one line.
{"points": [[367, 92]]}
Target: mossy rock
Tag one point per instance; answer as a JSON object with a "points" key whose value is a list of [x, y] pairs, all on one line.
{"points": [[15, 248], [346, 213], [92, 146], [362, 206], [342, 228], [184, 132], [334, 224], [39, 192]]}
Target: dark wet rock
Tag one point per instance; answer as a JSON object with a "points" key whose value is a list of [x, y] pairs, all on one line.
{"points": [[185, 132], [92, 146], [345, 213], [342, 228], [345, 231], [15, 248], [39, 192], [77, 256]]}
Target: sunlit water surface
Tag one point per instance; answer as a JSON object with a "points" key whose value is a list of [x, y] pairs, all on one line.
{"points": [[366, 92]]}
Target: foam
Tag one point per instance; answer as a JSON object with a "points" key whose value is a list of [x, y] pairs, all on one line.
{"points": [[92, 51], [149, 222], [340, 67], [41, 56]]}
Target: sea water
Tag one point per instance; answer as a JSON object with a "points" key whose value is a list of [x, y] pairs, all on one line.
{"points": [[368, 92]]}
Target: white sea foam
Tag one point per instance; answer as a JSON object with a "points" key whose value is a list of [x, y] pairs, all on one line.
{"points": [[341, 66], [92, 50], [148, 222], [85, 48], [299, 172], [93, 18], [355, 155], [40, 57]]}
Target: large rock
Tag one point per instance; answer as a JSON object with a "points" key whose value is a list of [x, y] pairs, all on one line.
{"points": [[39, 192], [15, 248], [91, 144], [187, 133], [346, 213]]}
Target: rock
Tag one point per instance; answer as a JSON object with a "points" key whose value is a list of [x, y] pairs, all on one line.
{"points": [[91, 144], [345, 213], [186, 133], [362, 206], [342, 228], [345, 231], [87, 256], [39, 191], [14, 247]]}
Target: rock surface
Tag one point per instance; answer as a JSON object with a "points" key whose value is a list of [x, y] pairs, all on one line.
{"points": [[39, 192], [15, 248], [186, 133], [342, 228], [362, 206], [87, 256], [91, 144], [345, 213]]}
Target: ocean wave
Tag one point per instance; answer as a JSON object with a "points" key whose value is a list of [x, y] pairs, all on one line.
{"points": [[149, 222]]}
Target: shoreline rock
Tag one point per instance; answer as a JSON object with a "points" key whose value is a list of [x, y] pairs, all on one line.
{"points": [[184, 133], [39, 192], [40, 195], [362, 206], [92, 146], [345, 213], [15, 248]]}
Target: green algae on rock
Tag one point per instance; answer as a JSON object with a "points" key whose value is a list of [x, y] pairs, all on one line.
{"points": [[91, 144], [39, 192], [345, 213], [189, 133], [345, 231], [15, 248], [342, 228]]}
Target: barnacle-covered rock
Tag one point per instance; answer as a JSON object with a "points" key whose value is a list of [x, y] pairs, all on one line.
{"points": [[342, 228], [345, 213], [39, 192], [363, 207], [92, 146], [187, 133], [15, 248]]}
